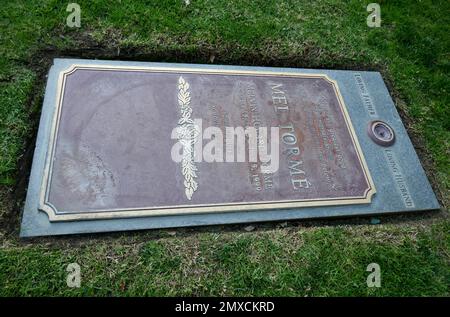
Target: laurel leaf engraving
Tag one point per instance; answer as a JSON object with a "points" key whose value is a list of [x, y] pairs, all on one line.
{"points": [[187, 135]]}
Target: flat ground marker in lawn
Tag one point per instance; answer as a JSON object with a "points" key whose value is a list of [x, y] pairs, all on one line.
{"points": [[131, 145]]}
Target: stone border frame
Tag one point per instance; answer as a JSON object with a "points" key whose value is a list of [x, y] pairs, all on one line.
{"points": [[388, 199]]}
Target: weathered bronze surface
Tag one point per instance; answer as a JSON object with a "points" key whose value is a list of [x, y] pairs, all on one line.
{"points": [[111, 144]]}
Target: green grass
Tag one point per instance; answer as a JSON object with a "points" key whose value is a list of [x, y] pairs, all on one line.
{"points": [[411, 49], [277, 262]]}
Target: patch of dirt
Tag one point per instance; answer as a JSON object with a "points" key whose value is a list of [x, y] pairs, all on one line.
{"points": [[87, 48]]}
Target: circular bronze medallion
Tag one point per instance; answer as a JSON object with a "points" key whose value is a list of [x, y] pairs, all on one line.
{"points": [[381, 133]]}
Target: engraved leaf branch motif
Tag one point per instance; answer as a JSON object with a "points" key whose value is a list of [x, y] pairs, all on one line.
{"points": [[187, 136]]}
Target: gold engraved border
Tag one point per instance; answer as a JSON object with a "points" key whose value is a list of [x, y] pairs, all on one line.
{"points": [[55, 215]]}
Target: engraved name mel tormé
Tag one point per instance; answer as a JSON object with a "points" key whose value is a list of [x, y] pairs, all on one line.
{"points": [[292, 151], [285, 140]]}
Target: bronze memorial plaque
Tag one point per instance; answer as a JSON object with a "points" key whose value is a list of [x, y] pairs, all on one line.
{"points": [[115, 130]]}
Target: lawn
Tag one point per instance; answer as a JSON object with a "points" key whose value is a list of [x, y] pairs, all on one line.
{"points": [[299, 258]]}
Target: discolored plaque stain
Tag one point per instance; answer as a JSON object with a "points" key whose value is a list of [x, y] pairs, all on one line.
{"points": [[86, 177]]}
